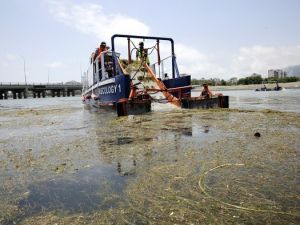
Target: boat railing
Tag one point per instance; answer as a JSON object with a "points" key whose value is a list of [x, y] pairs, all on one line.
{"points": [[104, 66], [88, 77], [162, 68], [37, 83], [101, 73]]}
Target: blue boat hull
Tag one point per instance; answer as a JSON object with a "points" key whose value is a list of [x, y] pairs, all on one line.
{"points": [[179, 82], [113, 93], [113, 89]]}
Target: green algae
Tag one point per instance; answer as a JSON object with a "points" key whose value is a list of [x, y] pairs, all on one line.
{"points": [[174, 164]]}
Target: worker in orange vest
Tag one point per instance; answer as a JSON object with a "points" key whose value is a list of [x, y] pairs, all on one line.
{"points": [[102, 48]]}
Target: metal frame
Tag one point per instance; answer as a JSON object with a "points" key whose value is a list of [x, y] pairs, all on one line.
{"points": [[174, 66]]}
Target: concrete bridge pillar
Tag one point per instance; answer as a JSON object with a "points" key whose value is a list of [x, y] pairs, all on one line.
{"points": [[19, 95], [65, 90], [68, 93], [1, 95], [44, 94], [58, 93], [5, 95], [73, 92], [39, 94], [25, 93], [52, 93], [14, 95], [34, 94]]}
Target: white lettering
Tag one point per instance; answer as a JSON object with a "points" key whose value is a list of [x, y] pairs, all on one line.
{"points": [[110, 89]]}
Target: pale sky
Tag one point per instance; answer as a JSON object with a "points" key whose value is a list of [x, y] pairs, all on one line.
{"points": [[213, 38]]}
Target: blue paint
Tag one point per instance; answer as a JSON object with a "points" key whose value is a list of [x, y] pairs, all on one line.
{"points": [[113, 91], [179, 82]]}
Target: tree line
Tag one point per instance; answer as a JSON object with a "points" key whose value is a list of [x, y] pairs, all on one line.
{"points": [[210, 82], [245, 81]]}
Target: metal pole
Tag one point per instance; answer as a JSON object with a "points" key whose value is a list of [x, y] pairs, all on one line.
{"points": [[129, 53], [24, 61], [25, 70], [80, 70]]}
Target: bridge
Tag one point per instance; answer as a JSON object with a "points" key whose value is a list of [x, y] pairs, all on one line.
{"points": [[38, 90]]}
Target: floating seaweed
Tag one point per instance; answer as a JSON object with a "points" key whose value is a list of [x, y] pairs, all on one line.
{"points": [[200, 167]]}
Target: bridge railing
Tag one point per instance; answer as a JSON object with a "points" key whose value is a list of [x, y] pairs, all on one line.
{"points": [[13, 83], [31, 84]]}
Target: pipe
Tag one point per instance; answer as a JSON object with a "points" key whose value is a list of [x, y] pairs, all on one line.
{"points": [[158, 53], [129, 55]]}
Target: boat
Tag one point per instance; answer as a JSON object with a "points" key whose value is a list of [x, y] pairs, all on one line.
{"points": [[107, 85], [129, 86], [264, 88], [277, 87]]}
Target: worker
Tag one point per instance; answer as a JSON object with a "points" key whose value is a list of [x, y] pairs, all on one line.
{"points": [[102, 48], [143, 53], [206, 93]]}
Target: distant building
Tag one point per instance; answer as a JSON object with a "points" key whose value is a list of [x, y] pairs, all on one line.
{"points": [[277, 73], [85, 81], [216, 81], [233, 80], [292, 71]]}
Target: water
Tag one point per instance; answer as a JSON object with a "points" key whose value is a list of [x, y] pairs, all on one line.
{"points": [[287, 100], [39, 103], [61, 163]]}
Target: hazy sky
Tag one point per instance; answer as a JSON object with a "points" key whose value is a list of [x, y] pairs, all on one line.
{"points": [[213, 38]]}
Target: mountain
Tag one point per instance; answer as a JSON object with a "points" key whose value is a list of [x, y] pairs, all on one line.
{"points": [[293, 71]]}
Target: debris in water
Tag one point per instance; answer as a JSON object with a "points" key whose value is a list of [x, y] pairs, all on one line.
{"points": [[257, 134]]}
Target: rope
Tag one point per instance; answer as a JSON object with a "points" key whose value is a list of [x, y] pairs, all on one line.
{"points": [[133, 44], [153, 47], [202, 188]]}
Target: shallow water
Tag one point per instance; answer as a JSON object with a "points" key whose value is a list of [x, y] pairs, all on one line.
{"points": [[287, 100], [61, 163]]}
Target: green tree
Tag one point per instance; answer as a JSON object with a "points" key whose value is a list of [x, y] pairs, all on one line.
{"points": [[251, 80], [195, 82]]}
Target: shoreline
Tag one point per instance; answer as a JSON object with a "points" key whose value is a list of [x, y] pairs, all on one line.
{"points": [[290, 85]]}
